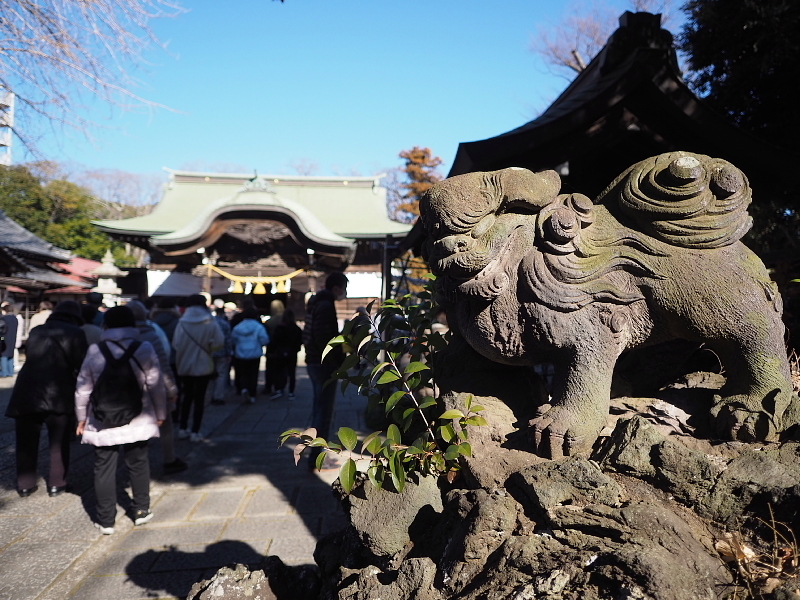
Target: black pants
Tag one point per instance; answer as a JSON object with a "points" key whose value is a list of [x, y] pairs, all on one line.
{"points": [[283, 369], [291, 372], [247, 371], [28, 430], [105, 480], [324, 402], [194, 395]]}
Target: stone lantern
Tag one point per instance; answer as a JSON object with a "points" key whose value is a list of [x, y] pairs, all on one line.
{"points": [[107, 274]]}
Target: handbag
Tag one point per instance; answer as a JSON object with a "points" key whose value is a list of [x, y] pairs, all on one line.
{"points": [[213, 374]]}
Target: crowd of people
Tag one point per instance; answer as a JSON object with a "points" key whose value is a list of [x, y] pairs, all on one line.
{"points": [[126, 375]]}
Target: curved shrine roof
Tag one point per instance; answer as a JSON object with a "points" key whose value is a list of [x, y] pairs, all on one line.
{"points": [[329, 210]]}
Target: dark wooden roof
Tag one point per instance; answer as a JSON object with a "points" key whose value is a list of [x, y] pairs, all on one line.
{"points": [[25, 258], [628, 104], [17, 240]]}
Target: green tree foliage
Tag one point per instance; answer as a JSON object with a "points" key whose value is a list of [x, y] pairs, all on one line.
{"points": [[58, 211], [742, 56], [23, 198], [408, 183], [390, 357]]}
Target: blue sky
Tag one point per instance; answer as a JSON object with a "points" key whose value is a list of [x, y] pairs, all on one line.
{"points": [[343, 84]]}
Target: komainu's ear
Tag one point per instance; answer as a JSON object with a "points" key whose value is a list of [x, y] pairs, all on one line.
{"points": [[524, 187]]}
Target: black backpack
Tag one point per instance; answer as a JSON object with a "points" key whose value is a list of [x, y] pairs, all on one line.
{"points": [[117, 396]]}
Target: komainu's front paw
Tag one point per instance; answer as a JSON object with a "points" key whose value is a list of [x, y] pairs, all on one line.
{"points": [[558, 432]]}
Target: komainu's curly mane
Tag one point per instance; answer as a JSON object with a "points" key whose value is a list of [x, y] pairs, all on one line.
{"points": [[686, 200], [681, 199]]}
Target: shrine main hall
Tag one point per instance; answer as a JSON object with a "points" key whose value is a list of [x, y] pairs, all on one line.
{"points": [[262, 235]]}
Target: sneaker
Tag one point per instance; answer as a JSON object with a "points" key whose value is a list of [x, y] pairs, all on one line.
{"points": [[176, 466], [245, 394], [251, 400], [140, 517], [291, 396], [195, 437], [275, 395], [104, 530], [183, 434]]}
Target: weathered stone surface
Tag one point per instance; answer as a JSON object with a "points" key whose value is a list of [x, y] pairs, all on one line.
{"points": [[753, 483], [574, 481], [527, 274], [272, 581], [238, 583], [412, 581], [383, 518], [509, 396], [637, 448], [477, 523]]}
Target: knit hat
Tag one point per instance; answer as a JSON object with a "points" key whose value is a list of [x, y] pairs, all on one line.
{"points": [[69, 307], [118, 316], [139, 310]]}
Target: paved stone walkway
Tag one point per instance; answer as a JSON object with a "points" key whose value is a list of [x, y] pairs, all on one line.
{"points": [[240, 499]]}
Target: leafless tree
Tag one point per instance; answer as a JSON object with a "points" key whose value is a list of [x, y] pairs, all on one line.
{"points": [[568, 46], [121, 194], [55, 55], [304, 166], [215, 166], [117, 194]]}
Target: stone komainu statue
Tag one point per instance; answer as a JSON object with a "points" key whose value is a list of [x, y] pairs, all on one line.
{"points": [[529, 275]]}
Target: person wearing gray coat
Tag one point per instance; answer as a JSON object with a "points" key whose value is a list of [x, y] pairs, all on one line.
{"points": [[148, 333], [196, 339]]}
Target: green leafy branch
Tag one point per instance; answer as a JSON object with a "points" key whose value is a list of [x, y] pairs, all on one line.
{"points": [[388, 356]]}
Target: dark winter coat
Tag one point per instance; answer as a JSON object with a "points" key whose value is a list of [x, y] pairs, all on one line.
{"points": [[10, 335], [167, 319], [54, 353], [321, 326], [287, 341]]}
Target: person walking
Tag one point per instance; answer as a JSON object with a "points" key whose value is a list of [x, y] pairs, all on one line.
{"points": [[196, 338], [320, 327], [44, 394], [9, 344], [148, 333], [283, 347], [273, 364], [40, 317], [109, 436], [222, 357], [235, 319], [94, 333], [249, 338]]}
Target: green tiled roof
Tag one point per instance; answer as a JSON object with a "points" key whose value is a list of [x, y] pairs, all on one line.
{"points": [[350, 207]]}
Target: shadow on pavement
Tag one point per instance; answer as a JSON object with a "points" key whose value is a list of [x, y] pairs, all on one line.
{"points": [[151, 570]]}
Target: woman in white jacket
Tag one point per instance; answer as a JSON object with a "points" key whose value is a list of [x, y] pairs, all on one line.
{"points": [[195, 340], [131, 438]]}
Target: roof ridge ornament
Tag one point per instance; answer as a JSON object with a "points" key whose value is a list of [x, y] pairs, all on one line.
{"points": [[258, 184]]}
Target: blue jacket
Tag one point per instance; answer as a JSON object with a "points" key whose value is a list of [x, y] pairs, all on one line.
{"points": [[249, 338]]}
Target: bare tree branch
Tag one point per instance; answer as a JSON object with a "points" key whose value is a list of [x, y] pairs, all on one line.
{"points": [[568, 46], [55, 54]]}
